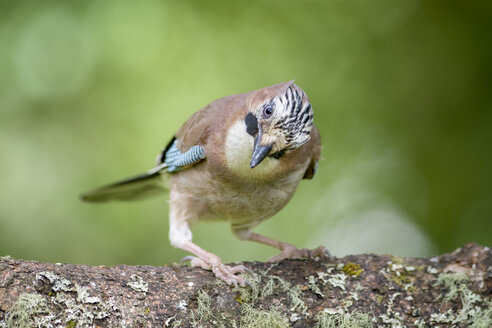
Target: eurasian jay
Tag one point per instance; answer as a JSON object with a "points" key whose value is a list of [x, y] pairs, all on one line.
{"points": [[238, 159]]}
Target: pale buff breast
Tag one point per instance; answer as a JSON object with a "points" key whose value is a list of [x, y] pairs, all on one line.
{"points": [[244, 196], [242, 204]]}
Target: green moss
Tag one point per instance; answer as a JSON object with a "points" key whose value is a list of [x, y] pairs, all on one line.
{"points": [[343, 320], [71, 324], [404, 281], [400, 274], [352, 269], [397, 260], [239, 299], [253, 318], [27, 311]]}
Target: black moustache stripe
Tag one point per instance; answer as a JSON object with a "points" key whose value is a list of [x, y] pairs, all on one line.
{"points": [[251, 124]]}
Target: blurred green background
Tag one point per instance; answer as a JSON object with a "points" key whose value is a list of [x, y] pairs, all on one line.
{"points": [[90, 91]]}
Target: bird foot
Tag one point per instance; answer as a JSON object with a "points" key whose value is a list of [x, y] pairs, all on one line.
{"points": [[226, 273], [291, 252]]}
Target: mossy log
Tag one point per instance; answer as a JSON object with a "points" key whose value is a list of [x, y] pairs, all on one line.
{"points": [[452, 290]]}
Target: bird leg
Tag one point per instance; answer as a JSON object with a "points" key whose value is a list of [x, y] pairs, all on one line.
{"points": [[180, 236], [209, 261], [288, 251]]}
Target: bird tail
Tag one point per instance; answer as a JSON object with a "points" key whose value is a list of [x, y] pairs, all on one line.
{"points": [[135, 188]]}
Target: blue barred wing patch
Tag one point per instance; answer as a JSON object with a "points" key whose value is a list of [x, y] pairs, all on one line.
{"points": [[175, 160]]}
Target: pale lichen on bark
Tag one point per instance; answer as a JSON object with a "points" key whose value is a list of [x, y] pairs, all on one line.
{"points": [[452, 290]]}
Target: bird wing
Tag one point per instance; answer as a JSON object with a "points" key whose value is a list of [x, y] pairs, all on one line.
{"points": [[316, 153], [151, 183], [134, 188], [173, 160], [183, 151]]}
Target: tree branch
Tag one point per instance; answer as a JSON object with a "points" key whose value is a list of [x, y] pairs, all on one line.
{"points": [[354, 291]]}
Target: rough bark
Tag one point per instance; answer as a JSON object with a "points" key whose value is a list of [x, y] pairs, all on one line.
{"points": [[452, 290]]}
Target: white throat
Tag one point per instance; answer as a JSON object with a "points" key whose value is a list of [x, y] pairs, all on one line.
{"points": [[238, 150]]}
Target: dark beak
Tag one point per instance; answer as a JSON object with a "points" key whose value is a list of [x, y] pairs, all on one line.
{"points": [[259, 152]]}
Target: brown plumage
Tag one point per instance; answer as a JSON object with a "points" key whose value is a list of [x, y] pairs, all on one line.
{"points": [[255, 149]]}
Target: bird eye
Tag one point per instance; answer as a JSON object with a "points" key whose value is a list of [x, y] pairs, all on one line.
{"points": [[268, 111]]}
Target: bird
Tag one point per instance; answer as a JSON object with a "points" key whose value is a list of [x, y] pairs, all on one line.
{"points": [[239, 159]]}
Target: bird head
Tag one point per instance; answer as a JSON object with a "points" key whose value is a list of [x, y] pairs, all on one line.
{"points": [[280, 120]]}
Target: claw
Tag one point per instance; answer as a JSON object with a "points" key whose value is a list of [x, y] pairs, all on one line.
{"points": [[221, 271], [239, 269], [186, 258], [211, 262], [320, 251], [248, 269], [290, 252]]}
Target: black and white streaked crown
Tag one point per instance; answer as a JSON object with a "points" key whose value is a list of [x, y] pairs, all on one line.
{"points": [[293, 115]]}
